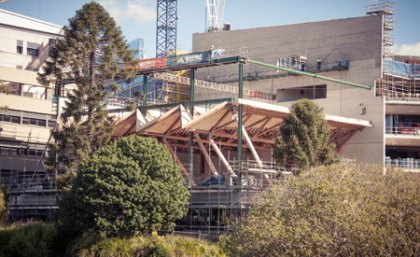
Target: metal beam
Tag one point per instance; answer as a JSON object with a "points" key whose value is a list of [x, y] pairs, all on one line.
{"points": [[186, 174], [206, 155], [251, 147], [222, 157], [308, 74], [171, 105]]}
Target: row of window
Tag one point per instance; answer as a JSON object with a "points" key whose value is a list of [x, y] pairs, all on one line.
{"points": [[21, 151], [26, 120], [31, 49]]}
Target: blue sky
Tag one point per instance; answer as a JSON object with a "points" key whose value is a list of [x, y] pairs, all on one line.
{"points": [[137, 18]]}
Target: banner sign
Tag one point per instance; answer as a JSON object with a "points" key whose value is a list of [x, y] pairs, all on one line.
{"points": [[189, 59], [150, 64], [177, 60]]}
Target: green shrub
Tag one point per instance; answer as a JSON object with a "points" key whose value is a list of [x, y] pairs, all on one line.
{"points": [[337, 210], [73, 248], [29, 240], [3, 206], [129, 187], [5, 235], [151, 246]]}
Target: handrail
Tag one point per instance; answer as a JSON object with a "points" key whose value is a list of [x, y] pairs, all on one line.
{"points": [[308, 74]]}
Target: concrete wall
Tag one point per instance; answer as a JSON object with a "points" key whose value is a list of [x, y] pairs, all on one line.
{"points": [[357, 40], [9, 56]]}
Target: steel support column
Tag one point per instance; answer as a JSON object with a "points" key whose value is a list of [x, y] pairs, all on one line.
{"points": [[144, 90], [191, 135], [240, 96]]}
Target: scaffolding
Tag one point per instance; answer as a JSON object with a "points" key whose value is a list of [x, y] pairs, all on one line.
{"points": [[31, 191], [400, 78], [385, 9]]}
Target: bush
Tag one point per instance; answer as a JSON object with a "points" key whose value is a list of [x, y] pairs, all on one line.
{"points": [[129, 187], [5, 235], [151, 246], [3, 206], [30, 240], [339, 210]]}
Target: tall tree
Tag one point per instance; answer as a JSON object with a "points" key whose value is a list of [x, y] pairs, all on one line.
{"points": [[88, 56], [304, 138]]}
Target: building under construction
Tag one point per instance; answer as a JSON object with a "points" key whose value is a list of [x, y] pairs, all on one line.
{"points": [[200, 103], [375, 119]]}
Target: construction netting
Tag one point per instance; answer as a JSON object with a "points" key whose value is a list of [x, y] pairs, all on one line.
{"points": [[401, 69]]}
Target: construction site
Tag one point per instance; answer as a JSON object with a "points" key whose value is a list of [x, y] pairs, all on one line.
{"points": [[219, 108]]}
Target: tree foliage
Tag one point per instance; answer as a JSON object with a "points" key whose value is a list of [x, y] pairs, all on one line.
{"points": [[146, 246], [27, 240], [89, 56], [336, 210], [304, 138], [3, 207], [130, 186]]}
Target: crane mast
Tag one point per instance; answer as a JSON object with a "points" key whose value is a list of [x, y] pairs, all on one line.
{"points": [[166, 23], [215, 10]]}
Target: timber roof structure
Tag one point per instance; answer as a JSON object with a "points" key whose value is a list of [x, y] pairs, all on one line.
{"points": [[261, 121]]}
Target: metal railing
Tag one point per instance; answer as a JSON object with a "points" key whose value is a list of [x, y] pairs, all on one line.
{"points": [[404, 130], [406, 163]]}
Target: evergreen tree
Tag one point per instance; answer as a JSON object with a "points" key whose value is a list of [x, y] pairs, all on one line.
{"points": [[88, 56], [304, 138], [128, 187]]}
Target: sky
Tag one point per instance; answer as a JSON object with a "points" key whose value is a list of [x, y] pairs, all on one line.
{"points": [[137, 18]]}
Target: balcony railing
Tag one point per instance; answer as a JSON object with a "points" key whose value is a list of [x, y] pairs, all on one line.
{"points": [[413, 130], [406, 163]]}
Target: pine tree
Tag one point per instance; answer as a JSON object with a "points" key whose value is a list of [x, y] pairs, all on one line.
{"points": [[88, 56], [304, 138]]}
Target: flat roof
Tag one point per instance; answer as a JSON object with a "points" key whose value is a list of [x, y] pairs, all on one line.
{"points": [[21, 21]]}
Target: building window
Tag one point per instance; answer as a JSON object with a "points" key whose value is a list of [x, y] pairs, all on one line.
{"points": [[15, 119], [32, 49], [51, 123], [42, 123], [19, 47], [296, 93], [319, 65], [9, 118], [34, 122], [32, 52]]}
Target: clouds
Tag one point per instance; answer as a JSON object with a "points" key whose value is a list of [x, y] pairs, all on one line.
{"points": [[141, 12], [408, 49]]}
